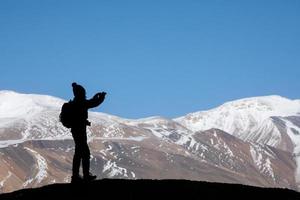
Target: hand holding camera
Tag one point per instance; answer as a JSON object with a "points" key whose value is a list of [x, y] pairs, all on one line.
{"points": [[101, 94]]}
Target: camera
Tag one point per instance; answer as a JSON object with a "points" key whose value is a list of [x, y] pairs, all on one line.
{"points": [[101, 94], [88, 123]]}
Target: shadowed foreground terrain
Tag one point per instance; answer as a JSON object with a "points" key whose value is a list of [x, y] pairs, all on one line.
{"points": [[154, 189]]}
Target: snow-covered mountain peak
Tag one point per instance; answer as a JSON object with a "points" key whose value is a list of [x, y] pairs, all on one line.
{"points": [[16, 105], [273, 105], [241, 115]]}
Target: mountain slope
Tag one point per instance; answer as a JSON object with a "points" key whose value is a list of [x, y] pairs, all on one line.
{"points": [[263, 120], [244, 116], [35, 149], [269, 120]]}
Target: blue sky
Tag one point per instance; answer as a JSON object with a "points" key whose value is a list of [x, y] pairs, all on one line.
{"points": [[160, 57]]}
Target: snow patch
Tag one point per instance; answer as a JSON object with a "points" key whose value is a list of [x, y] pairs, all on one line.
{"points": [[133, 175], [261, 163], [114, 170], [138, 138], [221, 145], [5, 179], [41, 166], [296, 142], [6, 143]]}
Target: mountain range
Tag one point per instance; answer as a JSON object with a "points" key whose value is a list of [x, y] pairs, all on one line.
{"points": [[252, 141]]}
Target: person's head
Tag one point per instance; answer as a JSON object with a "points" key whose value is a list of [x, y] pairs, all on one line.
{"points": [[79, 91]]}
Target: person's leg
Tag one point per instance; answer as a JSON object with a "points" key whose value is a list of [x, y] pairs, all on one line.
{"points": [[86, 165], [76, 162], [76, 165], [86, 160], [77, 156]]}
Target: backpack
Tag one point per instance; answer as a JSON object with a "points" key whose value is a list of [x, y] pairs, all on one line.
{"points": [[66, 115]]}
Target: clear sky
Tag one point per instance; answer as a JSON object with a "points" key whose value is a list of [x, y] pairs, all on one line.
{"points": [[158, 57]]}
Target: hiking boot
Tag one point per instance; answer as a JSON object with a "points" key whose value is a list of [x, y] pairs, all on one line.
{"points": [[76, 179], [89, 177]]}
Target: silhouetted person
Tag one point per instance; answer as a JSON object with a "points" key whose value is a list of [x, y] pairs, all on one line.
{"points": [[80, 106]]}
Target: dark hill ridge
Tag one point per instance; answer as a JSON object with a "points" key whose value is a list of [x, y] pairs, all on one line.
{"points": [[153, 189]]}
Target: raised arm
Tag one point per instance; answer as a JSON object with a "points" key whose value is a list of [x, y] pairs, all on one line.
{"points": [[96, 100]]}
